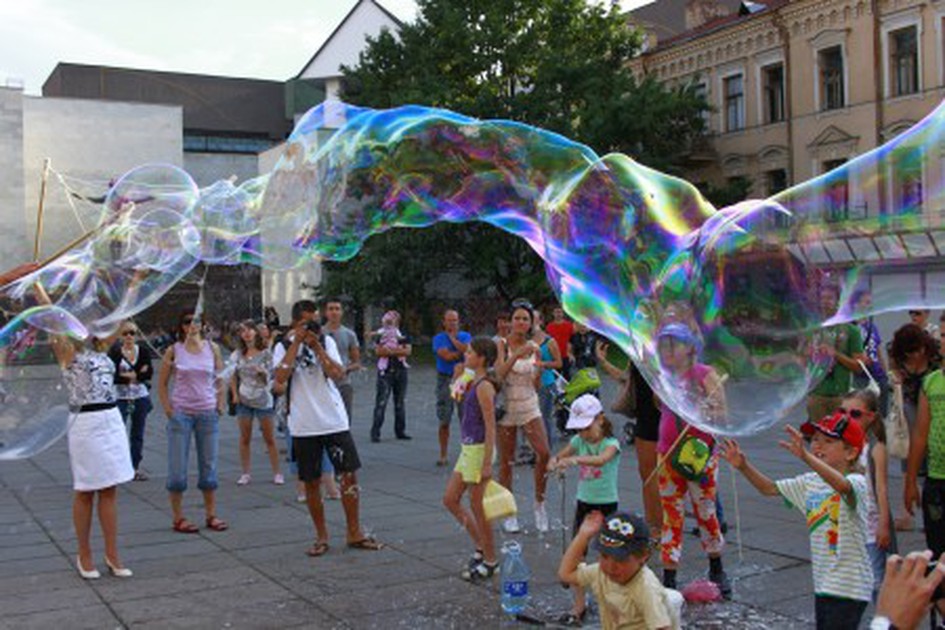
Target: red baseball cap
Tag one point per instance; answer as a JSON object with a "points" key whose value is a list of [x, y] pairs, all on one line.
{"points": [[839, 426]]}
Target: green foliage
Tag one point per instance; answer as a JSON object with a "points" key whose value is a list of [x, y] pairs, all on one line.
{"points": [[557, 64], [734, 190]]}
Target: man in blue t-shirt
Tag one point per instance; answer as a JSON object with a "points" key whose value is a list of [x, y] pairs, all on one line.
{"points": [[449, 347]]}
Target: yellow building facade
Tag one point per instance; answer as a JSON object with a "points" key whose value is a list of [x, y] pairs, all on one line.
{"points": [[799, 87]]}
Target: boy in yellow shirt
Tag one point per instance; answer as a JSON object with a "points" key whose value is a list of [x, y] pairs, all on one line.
{"points": [[628, 593]]}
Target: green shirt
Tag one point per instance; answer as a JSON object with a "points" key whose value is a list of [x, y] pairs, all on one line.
{"points": [[934, 388], [846, 339], [597, 484]]}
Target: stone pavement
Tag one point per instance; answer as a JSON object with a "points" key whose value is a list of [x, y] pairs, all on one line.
{"points": [[256, 575]]}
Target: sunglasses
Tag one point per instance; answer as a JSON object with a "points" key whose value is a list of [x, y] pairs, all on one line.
{"points": [[523, 304], [856, 414], [128, 333], [915, 313]]}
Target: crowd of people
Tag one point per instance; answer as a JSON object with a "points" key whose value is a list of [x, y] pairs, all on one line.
{"points": [[508, 384]]}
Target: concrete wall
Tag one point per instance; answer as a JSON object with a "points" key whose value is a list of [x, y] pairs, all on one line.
{"points": [[283, 288], [16, 244], [92, 142], [207, 168]]}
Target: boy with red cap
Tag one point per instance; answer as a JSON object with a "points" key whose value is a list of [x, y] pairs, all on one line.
{"points": [[835, 499]]}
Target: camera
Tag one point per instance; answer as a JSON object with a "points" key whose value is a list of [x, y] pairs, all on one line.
{"points": [[315, 327]]}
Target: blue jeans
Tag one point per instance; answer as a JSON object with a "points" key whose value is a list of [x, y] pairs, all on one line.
{"points": [[136, 411], [205, 427], [390, 381]]}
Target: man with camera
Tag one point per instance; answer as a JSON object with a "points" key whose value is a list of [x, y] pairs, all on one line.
{"points": [[307, 367]]}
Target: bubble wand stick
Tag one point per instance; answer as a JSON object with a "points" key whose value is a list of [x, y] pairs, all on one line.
{"points": [[39, 211]]}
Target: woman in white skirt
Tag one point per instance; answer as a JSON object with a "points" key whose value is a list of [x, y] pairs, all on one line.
{"points": [[98, 447]]}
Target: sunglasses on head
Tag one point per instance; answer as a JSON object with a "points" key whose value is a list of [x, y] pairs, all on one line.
{"points": [[856, 414], [523, 304], [915, 313]]}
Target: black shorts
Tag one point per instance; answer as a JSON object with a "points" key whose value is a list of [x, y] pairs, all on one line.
{"points": [[307, 453], [583, 509], [648, 425]]}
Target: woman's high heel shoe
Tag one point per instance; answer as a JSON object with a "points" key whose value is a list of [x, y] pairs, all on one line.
{"points": [[86, 575], [123, 572]]}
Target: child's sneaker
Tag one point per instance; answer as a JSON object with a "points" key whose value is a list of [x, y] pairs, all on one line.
{"points": [[482, 571], [511, 526], [243, 480], [541, 517], [720, 579]]}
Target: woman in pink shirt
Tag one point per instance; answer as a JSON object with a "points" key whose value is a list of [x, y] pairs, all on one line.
{"points": [[193, 406]]}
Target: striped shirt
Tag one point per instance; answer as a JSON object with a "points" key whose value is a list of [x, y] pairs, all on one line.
{"points": [[837, 529]]}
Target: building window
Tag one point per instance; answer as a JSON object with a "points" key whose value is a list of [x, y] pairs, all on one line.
{"points": [[772, 78], [734, 102], [830, 61], [776, 181], [701, 90], [904, 61], [837, 193], [908, 183]]}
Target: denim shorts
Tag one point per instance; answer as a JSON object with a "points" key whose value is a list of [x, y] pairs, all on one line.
{"points": [[205, 428], [254, 413]]}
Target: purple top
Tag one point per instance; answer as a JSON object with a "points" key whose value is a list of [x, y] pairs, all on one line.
{"points": [[472, 427], [194, 375], [872, 343]]}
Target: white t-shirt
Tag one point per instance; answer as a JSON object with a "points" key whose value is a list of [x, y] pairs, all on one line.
{"points": [[872, 514], [315, 405], [837, 530]]}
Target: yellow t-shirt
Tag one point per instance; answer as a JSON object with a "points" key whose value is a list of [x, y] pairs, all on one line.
{"points": [[640, 604]]}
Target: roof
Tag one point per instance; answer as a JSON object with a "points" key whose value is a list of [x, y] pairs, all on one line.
{"points": [[214, 104], [667, 18], [744, 11], [341, 26]]}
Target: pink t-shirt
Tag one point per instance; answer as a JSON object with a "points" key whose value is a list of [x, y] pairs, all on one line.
{"points": [[669, 425], [194, 379]]}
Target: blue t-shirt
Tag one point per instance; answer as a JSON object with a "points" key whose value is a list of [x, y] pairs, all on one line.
{"points": [[442, 340]]}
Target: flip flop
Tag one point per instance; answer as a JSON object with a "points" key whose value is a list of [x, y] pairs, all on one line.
{"points": [[183, 526], [366, 544], [318, 549], [216, 524]]}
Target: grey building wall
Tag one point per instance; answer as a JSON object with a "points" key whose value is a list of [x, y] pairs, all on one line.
{"points": [[15, 244], [92, 142], [207, 168]]}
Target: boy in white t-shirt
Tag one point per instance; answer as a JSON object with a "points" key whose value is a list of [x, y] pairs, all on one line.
{"points": [[835, 499], [629, 594]]}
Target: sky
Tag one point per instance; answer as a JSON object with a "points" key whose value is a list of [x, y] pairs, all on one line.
{"points": [[273, 39]]}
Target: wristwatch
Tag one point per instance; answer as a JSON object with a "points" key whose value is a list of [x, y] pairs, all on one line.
{"points": [[881, 623]]}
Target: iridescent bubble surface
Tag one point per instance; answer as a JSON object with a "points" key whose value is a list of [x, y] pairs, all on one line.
{"points": [[761, 285]]}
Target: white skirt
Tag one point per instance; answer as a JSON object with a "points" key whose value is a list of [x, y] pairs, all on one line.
{"points": [[98, 450]]}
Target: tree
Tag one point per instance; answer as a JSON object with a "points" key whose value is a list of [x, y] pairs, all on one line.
{"points": [[557, 64]]}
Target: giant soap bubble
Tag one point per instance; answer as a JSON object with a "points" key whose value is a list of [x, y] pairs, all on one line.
{"points": [[761, 285]]}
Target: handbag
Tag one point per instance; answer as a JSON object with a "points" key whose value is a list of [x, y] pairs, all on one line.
{"points": [[897, 430], [626, 402]]}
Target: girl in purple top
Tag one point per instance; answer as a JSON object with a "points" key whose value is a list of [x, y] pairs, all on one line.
{"points": [[192, 408], [474, 467]]}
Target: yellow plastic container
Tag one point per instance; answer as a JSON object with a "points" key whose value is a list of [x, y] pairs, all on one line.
{"points": [[498, 501]]}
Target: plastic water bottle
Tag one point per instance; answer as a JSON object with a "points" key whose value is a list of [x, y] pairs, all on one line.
{"points": [[515, 576]]}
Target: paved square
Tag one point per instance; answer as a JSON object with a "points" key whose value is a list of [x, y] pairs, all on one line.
{"points": [[256, 574]]}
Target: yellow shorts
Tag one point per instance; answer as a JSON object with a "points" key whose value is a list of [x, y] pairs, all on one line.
{"points": [[469, 464]]}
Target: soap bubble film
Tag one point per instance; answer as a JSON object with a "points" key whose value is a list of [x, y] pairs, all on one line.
{"points": [[630, 251]]}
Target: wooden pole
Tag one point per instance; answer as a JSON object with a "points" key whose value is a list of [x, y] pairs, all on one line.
{"points": [[39, 212], [662, 460]]}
